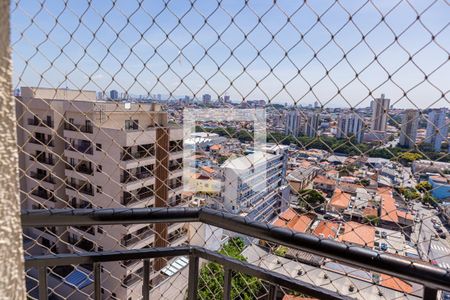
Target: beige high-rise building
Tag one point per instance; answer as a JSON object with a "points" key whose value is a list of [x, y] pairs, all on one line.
{"points": [[408, 130], [77, 152], [380, 108]]}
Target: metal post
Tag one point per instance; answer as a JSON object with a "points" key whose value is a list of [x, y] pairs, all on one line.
{"points": [[193, 277], [146, 281], [429, 294], [97, 282], [272, 292], [43, 292], [227, 276]]}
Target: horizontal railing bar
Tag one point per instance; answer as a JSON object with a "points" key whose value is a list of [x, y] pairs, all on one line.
{"points": [[267, 275], [421, 273], [107, 216], [194, 252], [53, 260], [401, 267]]}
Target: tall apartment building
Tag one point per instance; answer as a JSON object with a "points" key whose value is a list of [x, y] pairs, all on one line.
{"points": [[114, 95], [294, 123], [408, 129], [206, 98], [312, 124], [254, 185], [77, 152], [380, 108], [350, 125], [437, 128]]}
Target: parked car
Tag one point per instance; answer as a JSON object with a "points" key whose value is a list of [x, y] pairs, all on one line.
{"points": [[433, 220], [384, 246], [436, 226], [383, 234], [439, 230], [442, 235]]}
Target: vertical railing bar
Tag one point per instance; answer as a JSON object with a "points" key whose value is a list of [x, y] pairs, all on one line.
{"points": [[193, 277], [227, 283], [429, 293], [272, 292], [146, 280], [97, 282], [43, 288]]}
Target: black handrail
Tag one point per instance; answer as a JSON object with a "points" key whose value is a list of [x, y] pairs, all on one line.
{"points": [[402, 267]]}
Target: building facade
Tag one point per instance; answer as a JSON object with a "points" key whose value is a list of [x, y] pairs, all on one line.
{"points": [[254, 185], [312, 124], [380, 108], [350, 125], [408, 130], [294, 123], [437, 128], [83, 153]]}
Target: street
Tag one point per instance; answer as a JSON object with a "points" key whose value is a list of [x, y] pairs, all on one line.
{"points": [[430, 247]]}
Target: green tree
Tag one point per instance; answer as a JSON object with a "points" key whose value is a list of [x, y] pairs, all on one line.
{"points": [[280, 251], [310, 198], [371, 219], [409, 193], [428, 198], [365, 182], [424, 186], [211, 277], [409, 157]]}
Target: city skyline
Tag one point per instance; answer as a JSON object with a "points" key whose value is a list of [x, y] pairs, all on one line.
{"points": [[137, 68]]}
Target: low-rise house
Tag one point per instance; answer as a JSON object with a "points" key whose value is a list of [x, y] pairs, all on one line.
{"points": [[358, 234], [325, 184], [339, 202], [294, 221], [301, 178]]}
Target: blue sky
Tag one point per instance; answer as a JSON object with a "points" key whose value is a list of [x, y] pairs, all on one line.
{"points": [[148, 47]]}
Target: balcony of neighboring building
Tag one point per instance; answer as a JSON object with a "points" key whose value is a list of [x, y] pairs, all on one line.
{"points": [[35, 121], [72, 126], [80, 166], [79, 146], [43, 194], [43, 157], [80, 186], [176, 149], [144, 195], [45, 140], [42, 175]]}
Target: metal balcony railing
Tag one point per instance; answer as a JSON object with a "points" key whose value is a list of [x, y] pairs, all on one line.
{"points": [[431, 277], [42, 123], [82, 168], [78, 127], [86, 149], [130, 177], [84, 188], [43, 159], [41, 176]]}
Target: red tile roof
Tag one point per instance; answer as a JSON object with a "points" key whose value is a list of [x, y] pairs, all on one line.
{"points": [[292, 220], [340, 199], [359, 234], [326, 229], [388, 208], [395, 284]]}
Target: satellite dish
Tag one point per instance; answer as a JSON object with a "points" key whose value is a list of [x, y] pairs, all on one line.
{"points": [[127, 105]]}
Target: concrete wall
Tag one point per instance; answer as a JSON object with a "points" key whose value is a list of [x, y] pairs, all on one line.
{"points": [[12, 283]]}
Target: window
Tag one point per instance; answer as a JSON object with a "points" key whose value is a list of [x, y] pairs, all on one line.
{"points": [[98, 147], [131, 124], [99, 189], [99, 168], [99, 229]]}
